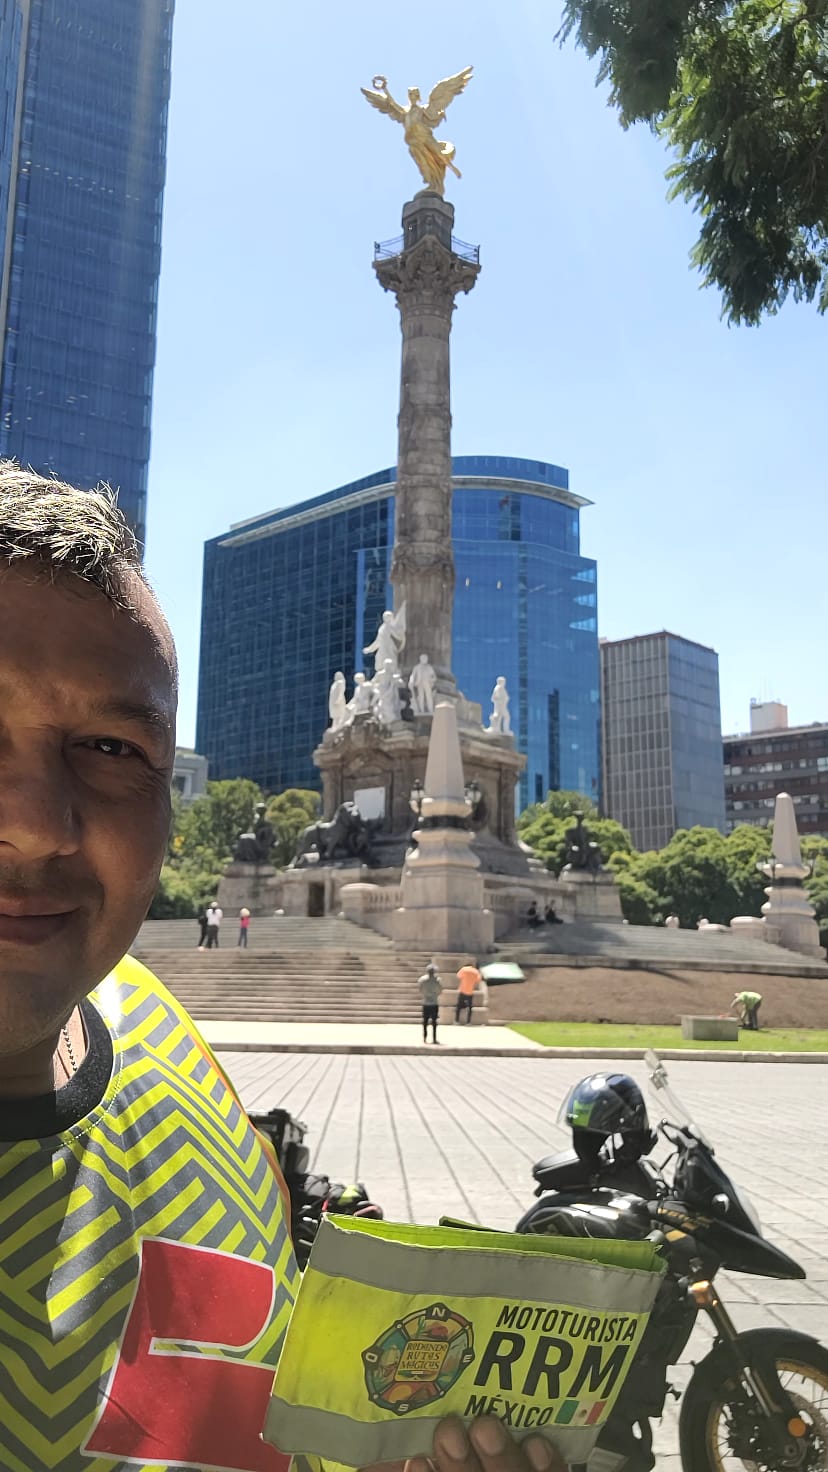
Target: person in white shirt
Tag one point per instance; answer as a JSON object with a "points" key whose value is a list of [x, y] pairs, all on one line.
{"points": [[214, 919]]}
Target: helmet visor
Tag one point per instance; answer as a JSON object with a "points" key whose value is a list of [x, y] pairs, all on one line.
{"points": [[604, 1104]]}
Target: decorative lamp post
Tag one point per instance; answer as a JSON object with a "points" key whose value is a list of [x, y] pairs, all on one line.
{"points": [[473, 796]]}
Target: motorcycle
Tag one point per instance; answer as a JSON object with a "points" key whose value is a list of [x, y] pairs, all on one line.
{"points": [[311, 1196], [759, 1399]]}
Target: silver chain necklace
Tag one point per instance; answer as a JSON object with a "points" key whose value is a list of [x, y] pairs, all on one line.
{"points": [[69, 1050]]}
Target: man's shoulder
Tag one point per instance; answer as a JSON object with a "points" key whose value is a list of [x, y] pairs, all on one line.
{"points": [[133, 980], [132, 973]]}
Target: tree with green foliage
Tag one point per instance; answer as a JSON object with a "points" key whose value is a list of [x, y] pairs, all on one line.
{"points": [[739, 89], [182, 891], [815, 851], [640, 903], [291, 812], [699, 873], [562, 804], [209, 827], [203, 836], [544, 827]]}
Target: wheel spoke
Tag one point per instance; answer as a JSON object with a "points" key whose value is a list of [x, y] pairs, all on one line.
{"points": [[734, 1440]]}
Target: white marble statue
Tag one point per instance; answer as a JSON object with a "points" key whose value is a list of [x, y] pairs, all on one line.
{"points": [[422, 683], [389, 641], [337, 702], [362, 698], [387, 693], [501, 722]]}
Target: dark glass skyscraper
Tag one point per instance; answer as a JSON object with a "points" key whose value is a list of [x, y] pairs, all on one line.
{"points": [[662, 746], [84, 87], [293, 596]]}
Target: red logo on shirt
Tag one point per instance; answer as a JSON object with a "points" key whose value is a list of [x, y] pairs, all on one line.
{"points": [[184, 1406]]}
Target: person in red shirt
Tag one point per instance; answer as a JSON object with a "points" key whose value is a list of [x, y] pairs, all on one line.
{"points": [[244, 926]]}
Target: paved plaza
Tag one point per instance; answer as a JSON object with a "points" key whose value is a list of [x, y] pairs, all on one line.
{"points": [[458, 1136]]}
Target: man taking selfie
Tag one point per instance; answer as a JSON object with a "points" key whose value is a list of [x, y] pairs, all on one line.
{"points": [[146, 1269]]}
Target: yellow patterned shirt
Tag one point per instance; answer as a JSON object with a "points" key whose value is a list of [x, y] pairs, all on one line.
{"points": [[146, 1269]]}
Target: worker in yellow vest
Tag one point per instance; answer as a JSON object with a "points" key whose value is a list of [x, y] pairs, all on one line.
{"points": [[146, 1267], [747, 1006]]}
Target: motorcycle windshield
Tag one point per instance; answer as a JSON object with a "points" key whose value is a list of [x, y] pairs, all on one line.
{"points": [[670, 1105]]}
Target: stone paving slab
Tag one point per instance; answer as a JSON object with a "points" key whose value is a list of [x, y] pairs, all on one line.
{"points": [[458, 1136]]}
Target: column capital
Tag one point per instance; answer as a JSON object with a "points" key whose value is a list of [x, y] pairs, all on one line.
{"points": [[427, 276]]}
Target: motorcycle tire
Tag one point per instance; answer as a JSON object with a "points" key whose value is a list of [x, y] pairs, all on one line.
{"points": [[802, 1366]]}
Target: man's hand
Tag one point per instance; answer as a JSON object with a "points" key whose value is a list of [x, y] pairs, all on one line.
{"points": [[486, 1447]]}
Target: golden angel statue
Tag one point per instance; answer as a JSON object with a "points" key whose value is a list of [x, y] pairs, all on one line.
{"points": [[430, 155]]}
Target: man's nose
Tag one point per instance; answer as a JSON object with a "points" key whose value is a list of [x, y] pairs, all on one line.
{"points": [[38, 817]]}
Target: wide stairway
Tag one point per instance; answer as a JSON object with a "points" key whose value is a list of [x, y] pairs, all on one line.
{"points": [[295, 970], [653, 946]]}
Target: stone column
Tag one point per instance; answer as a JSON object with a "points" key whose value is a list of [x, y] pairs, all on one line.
{"points": [[425, 276]]}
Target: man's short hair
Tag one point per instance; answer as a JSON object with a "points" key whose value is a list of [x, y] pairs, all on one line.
{"points": [[60, 529], [64, 529]]}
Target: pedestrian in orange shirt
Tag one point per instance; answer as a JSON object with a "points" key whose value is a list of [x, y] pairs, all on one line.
{"points": [[468, 978]]}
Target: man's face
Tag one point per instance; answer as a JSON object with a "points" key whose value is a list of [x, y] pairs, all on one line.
{"points": [[87, 741]]}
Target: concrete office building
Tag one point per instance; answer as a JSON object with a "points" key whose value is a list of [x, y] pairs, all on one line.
{"points": [[84, 86], [774, 757], [190, 773], [292, 596], [661, 736]]}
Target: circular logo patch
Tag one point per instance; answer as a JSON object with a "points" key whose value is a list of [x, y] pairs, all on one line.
{"points": [[418, 1359]]}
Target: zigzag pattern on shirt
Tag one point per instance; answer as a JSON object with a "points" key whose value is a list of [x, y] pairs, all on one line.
{"points": [[168, 1153]]}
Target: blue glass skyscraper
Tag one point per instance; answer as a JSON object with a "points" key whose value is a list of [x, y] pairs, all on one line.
{"points": [[84, 88], [292, 596]]}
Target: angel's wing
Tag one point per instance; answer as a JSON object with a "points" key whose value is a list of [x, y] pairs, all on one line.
{"points": [[384, 102], [443, 94]]}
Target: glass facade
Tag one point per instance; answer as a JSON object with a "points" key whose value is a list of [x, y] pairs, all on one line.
{"points": [[11, 39], [285, 604], [85, 245], [662, 743], [291, 597]]}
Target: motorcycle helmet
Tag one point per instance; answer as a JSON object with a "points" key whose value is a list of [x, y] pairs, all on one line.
{"points": [[608, 1110]]}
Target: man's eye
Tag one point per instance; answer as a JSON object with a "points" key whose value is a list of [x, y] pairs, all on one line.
{"points": [[113, 746]]}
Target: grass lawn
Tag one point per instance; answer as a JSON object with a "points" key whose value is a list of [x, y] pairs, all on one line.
{"points": [[624, 1035]]}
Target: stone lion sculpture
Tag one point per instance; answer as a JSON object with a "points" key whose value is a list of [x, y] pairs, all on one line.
{"points": [[346, 835]]}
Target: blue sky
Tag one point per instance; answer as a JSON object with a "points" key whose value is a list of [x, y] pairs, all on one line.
{"points": [[587, 341]]}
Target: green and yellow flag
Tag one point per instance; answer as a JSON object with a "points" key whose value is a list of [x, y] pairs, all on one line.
{"points": [[395, 1327]]}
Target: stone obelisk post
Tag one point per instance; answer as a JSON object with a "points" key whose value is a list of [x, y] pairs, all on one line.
{"points": [[425, 274], [441, 893]]}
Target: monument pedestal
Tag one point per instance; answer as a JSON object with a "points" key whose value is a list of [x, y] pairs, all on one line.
{"points": [[442, 898], [789, 916], [595, 896], [376, 766], [256, 886]]}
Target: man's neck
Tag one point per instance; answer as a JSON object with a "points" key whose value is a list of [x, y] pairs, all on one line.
{"points": [[47, 1067]]}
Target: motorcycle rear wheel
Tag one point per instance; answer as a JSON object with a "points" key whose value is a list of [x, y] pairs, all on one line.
{"points": [[708, 1429]]}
